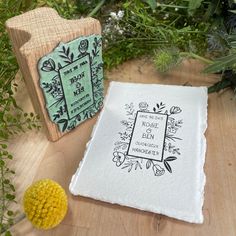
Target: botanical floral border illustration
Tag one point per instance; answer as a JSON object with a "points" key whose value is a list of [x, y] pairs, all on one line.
{"points": [[52, 88], [171, 139]]}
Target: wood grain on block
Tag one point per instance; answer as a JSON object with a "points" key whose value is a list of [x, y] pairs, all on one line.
{"points": [[35, 34]]}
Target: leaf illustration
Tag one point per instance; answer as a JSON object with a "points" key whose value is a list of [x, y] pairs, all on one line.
{"points": [[171, 137], [65, 124], [93, 52], [62, 56], [137, 164], [154, 109], [52, 63], [78, 117], [72, 56], [171, 158], [59, 66], [167, 166], [148, 164], [62, 121], [130, 168], [85, 115], [64, 49], [45, 69], [68, 51], [125, 165], [67, 61]]}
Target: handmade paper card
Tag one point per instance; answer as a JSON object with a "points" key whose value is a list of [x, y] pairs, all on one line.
{"points": [[71, 78], [147, 150]]}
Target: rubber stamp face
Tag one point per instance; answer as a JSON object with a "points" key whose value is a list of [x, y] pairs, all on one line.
{"points": [[71, 78]]}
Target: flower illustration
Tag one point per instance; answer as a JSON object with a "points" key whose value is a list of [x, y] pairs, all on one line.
{"points": [[175, 110], [48, 65], [99, 103], [83, 46], [158, 170], [129, 125], [124, 135], [172, 130], [118, 158], [143, 106], [173, 125], [121, 155], [45, 204]]}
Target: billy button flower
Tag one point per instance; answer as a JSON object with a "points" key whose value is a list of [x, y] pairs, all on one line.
{"points": [[45, 204]]}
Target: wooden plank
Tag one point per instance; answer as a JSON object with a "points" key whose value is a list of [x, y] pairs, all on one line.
{"points": [[35, 34], [88, 217]]}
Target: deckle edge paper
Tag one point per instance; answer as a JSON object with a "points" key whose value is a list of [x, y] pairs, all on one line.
{"points": [[177, 214]]}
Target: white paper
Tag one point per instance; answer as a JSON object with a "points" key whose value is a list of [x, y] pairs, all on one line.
{"points": [[147, 150]]}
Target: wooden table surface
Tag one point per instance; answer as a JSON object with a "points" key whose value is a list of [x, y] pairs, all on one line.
{"points": [[36, 158]]}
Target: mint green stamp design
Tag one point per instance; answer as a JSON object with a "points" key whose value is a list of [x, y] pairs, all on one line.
{"points": [[71, 78]]}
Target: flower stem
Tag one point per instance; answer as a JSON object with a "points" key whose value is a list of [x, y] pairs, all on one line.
{"points": [[171, 6], [2, 197], [96, 9], [195, 56], [16, 221]]}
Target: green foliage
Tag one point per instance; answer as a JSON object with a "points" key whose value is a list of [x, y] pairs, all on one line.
{"points": [[217, 87], [142, 30], [12, 119], [165, 59], [226, 62], [65, 8], [213, 9], [152, 3], [123, 52], [221, 63], [193, 6], [7, 190], [226, 66]]}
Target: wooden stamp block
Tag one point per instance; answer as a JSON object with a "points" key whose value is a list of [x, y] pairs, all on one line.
{"points": [[61, 61]]}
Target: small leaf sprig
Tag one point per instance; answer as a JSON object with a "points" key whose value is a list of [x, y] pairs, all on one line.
{"points": [[7, 191], [159, 107], [166, 162], [97, 44], [11, 125], [67, 56], [13, 120]]}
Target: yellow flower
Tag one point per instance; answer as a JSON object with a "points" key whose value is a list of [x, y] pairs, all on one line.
{"points": [[45, 204]]}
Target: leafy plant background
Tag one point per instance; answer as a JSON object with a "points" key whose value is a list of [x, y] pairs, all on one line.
{"points": [[166, 30]]}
